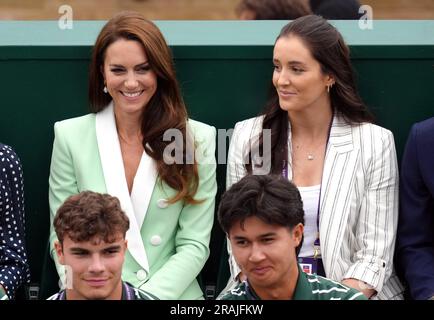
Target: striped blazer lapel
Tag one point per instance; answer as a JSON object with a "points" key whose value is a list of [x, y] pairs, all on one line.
{"points": [[336, 190]]}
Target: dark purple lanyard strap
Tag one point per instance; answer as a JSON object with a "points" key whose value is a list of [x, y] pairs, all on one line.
{"points": [[285, 174], [128, 292]]}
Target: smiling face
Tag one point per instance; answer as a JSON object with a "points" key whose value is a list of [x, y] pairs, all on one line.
{"points": [[129, 78], [297, 76], [266, 253], [96, 267]]}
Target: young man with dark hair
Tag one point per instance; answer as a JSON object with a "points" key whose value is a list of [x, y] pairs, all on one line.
{"points": [[91, 229], [264, 219]]}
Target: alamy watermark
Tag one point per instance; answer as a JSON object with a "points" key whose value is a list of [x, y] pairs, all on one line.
{"points": [[66, 281], [366, 22], [66, 20], [182, 150]]}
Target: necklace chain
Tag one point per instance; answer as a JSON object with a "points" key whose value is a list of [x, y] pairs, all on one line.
{"points": [[310, 154], [125, 140]]}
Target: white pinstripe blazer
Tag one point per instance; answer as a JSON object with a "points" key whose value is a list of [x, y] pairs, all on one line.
{"points": [[359, 201]]}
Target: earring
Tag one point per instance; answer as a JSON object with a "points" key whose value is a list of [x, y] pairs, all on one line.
{"points": [[105, 89], [328, 88]]}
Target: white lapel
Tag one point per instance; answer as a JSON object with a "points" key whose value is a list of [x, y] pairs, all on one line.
{"points": [[143, 186], [336, 189], [116, 184]]}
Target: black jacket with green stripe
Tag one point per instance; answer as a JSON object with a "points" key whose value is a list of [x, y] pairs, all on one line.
{"points": [[308, 287]]}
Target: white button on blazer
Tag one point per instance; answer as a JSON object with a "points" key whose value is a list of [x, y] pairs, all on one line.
{"points": [[156, 240], [162, 203], [141, 275]]}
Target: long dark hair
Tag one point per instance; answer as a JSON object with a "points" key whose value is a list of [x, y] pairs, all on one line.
{"points": [[327, 47], [166, 109]]}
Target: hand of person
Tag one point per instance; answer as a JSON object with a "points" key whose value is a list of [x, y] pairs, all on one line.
{"points": [[3, 295], [363, 287]]}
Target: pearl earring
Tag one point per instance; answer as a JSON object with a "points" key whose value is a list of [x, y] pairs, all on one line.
{"points": [[105, 89]]}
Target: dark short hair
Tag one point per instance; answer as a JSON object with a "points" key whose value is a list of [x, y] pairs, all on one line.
{"points": [[90, 214], [275, 9], [272, 199], [336, 9]]}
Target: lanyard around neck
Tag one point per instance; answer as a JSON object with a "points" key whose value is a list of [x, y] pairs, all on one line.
{"points": [[285, 174]]}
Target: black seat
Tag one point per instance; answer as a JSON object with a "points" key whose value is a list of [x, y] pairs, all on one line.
{"points": [[49, 276]]}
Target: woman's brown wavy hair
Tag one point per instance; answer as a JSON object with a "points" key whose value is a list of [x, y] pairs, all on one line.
{"points": [[327, 47], [166, 109]]}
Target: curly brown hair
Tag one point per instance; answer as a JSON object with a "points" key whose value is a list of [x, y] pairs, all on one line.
{"points": [[90, 214], [166, 109]]}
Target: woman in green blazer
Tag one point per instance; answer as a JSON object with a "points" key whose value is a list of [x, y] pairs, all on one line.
{"points": [[140, 146]]}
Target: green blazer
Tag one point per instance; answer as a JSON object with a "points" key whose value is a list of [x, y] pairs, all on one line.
{"points": [[168, 245]]}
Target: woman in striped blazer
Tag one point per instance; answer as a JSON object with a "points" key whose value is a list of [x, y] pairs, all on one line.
{"points": [[317, 132]]}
